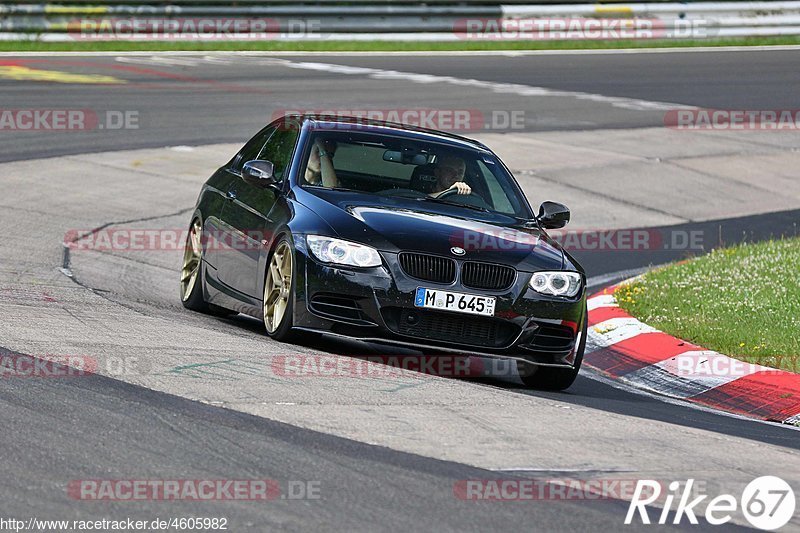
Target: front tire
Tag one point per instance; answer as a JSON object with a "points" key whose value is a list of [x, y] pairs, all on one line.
{"points": [[278, 300], [553, 378]]}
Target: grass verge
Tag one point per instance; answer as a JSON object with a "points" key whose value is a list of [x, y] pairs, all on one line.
{"points": [[742, 301], [379, 46]]}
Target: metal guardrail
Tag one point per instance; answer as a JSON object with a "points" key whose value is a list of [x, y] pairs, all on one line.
{"points": [[375, 19]]}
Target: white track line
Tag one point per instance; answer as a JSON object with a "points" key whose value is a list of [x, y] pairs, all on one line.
{"points": [[424, 79], [495, 87]]}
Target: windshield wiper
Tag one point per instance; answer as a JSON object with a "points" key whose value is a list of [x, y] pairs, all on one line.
{"points": [[333, 188], [468, 206]]}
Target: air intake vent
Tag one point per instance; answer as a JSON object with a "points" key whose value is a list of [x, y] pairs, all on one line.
{"points": [[428, 267], [552, 339], [487, 276], [340, 308]]}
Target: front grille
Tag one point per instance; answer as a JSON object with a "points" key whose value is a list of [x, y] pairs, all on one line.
{"points": [[428, 267], [339, 308], [487, 276], [447, 327]]}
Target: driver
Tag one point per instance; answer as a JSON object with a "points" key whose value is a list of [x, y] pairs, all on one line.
{"points": [[449, 174], [319, 170]]}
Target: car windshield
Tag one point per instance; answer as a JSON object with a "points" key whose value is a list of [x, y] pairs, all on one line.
{"points": [[400, 167]]}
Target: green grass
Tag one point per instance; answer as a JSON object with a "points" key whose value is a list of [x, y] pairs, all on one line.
{"points": [[379, 46], [742, 301]]}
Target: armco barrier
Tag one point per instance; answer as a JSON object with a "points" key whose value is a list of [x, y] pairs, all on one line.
{"points": [[438, 20]]}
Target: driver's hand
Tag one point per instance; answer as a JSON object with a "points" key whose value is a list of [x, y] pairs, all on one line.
{"points": [[461, 187]]}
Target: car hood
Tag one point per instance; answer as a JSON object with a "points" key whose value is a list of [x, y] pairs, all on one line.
{"points": [[400, 224]]}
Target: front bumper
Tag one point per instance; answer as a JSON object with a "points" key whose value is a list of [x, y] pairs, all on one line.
{"points": [[376, 304]]}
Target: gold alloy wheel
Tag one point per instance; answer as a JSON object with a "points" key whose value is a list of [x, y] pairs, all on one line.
{"points": [[192, 257], [278, 287]]}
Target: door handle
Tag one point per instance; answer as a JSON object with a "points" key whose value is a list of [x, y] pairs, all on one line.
{"points": [[231, 195]]}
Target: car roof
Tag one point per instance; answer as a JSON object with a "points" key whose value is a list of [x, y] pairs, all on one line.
{"points": [[363, 124]]}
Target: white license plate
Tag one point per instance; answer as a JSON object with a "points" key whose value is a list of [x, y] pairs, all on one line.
{"points": [[454, 301]]}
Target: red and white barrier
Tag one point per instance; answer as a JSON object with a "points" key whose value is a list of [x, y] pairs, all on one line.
{"points": [[621, 347]]}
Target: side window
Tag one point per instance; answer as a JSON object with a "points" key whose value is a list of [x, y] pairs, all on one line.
{"points": [[499, 198], [279, 150], [251, 149]]}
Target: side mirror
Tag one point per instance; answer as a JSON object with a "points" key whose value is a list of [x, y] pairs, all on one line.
{"points": [[259, 172], [553, 215]]}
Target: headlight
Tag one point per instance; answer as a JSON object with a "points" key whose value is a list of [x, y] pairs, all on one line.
{"points": [[556, 283], [330, 250]]}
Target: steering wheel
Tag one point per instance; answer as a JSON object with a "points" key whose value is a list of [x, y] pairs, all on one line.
{"points": [[467, 199]]}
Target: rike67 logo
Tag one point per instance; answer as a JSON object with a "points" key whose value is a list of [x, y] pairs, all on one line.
{"points": [[767, 502]]}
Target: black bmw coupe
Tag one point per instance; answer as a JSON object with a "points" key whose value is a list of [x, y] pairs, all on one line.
{"points": [[391, 234]]}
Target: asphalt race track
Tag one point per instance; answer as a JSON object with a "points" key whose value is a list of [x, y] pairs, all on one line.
{"points": [[385, 453], [189, 100]]}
